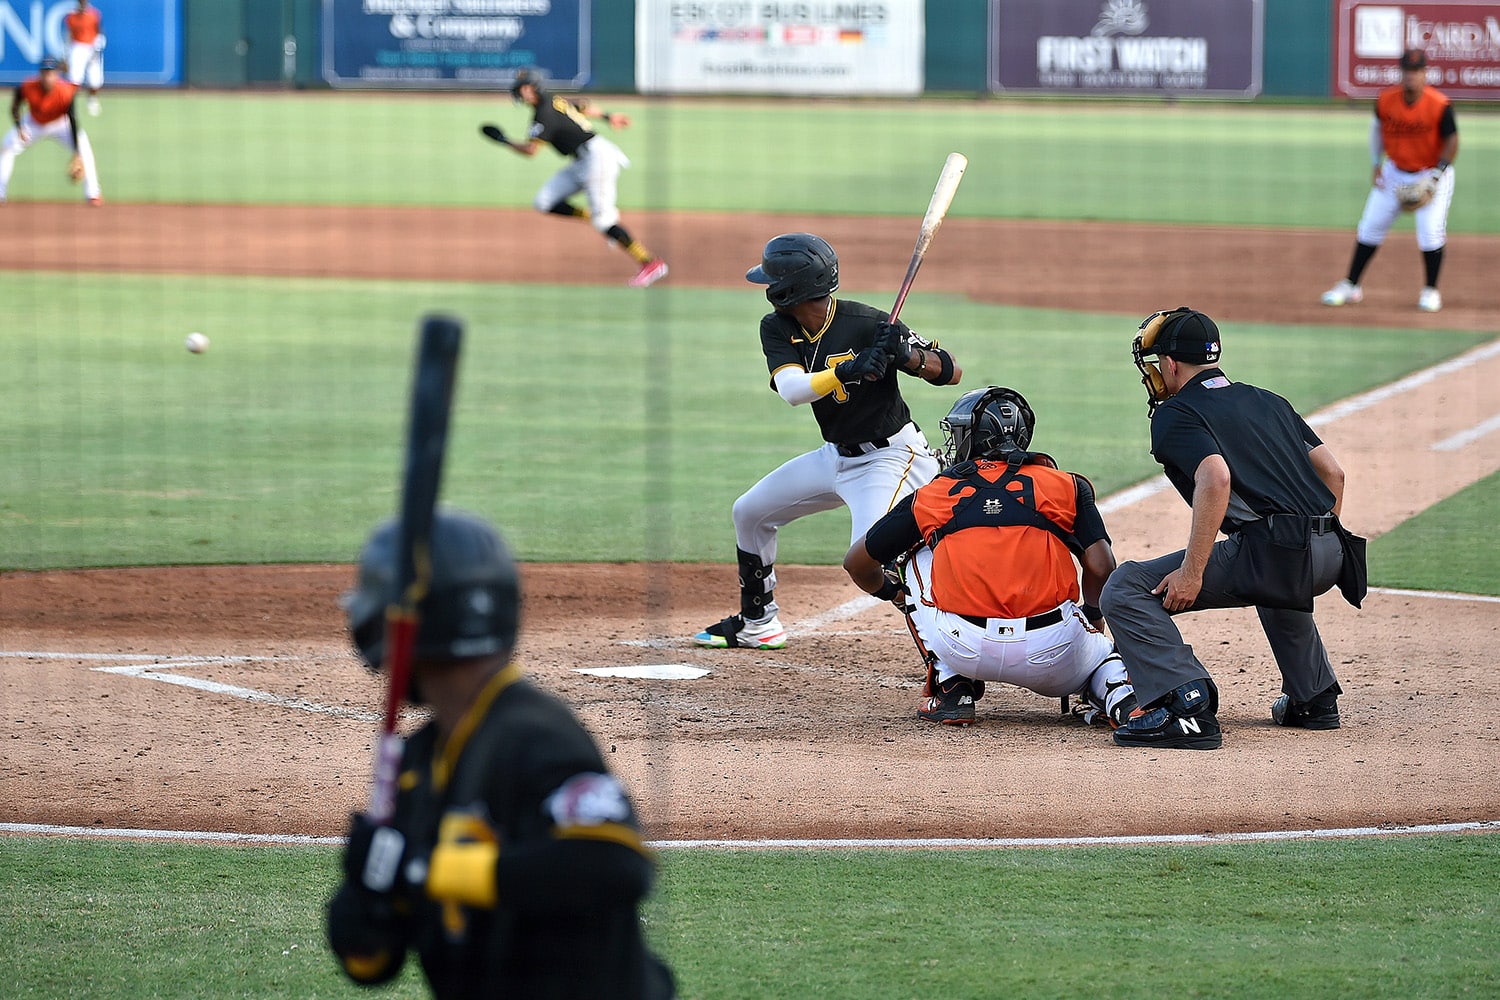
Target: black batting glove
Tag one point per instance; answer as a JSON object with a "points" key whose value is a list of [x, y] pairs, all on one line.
{"points": [[377, 858], [895, 346], [868, 365]]}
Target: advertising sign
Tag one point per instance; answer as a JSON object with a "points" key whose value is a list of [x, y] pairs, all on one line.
{"points": [[449, 44], [142, 39], [1182, 48], [825, 47], [1462, 42]]}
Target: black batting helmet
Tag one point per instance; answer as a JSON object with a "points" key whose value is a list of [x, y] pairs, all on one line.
{"points": [[472, 606], [993, 422], [523, 77], [797, 267]]}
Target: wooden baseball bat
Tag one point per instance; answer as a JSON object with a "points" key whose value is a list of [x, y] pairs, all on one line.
{"points": [[937, 209], [426, 443]]}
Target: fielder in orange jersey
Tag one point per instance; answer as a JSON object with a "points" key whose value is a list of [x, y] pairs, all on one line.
{"points": [[86, 50], [990, 587], [49, 114], [1413, 143]]}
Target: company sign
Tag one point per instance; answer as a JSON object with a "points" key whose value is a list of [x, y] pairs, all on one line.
{"points": [[437, 44], [844, 47], [1183, 48], [142, 39], [1462, 42]]}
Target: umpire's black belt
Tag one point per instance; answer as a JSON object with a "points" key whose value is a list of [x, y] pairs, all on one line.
{"points": [[1319, 525], [1035, 621], [862, 447]]}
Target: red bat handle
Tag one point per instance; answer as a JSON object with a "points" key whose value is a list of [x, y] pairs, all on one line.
{"points": [[400, 638]]}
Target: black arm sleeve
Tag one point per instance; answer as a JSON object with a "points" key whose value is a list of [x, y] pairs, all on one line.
{"points": [[553, 875], [894, 533], [1446, 125], [1088, 524]]}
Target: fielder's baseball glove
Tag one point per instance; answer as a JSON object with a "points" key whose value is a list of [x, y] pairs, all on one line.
{"points": [[75, 168], [1418, 193]]}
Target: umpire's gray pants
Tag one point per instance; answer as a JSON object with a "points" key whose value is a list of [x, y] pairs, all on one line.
{"points": [[1157, 658]]}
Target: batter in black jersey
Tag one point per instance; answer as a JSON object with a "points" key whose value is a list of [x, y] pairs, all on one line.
{"points": [[843, 359], [513, 864], [594, 167]]}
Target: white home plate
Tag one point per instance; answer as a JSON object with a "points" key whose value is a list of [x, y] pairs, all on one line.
{"points": [[649, 671]]}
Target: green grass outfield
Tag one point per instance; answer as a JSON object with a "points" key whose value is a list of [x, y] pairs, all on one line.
{"points": [[1398, 917], [1231, 165], [622, 437]]}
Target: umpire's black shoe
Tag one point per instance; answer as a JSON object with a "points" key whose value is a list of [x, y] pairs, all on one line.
{"points": [[1322, 712], [1185, 720]]}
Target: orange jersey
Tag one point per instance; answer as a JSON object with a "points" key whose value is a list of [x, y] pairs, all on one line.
{"points": [[1410, 132], [1006, 571], [83, 25], [49, 106]]}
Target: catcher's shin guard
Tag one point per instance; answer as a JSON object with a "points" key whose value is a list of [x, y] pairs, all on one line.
{"points": [[756, 586]]}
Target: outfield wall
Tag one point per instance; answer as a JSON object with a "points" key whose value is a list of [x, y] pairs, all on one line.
{"points": [[1260, 48]]}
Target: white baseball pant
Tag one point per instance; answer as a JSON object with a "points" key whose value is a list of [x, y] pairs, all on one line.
{"points": [[58, 131]]}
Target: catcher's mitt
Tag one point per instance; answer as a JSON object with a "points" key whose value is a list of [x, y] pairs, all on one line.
{"points": [[75, 168], [1416, 194]]}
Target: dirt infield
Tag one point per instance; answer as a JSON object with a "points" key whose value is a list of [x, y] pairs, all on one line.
{"points": [[224, 698]]}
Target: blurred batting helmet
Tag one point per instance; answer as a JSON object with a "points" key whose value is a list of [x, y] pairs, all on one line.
{"points": [[524, 77], [993, 422], [49, 63], [797, 267], [472, 606]]}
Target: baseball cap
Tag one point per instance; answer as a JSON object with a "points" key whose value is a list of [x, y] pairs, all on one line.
{"points": [[1191, 337], [1414, 59], [49, 63]]}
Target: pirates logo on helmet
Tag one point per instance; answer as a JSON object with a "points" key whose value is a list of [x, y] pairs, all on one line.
{"points": [[796, 267]]}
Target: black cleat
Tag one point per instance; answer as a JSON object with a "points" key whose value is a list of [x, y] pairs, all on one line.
{"points": [[1185, 720], [1320, 713]]}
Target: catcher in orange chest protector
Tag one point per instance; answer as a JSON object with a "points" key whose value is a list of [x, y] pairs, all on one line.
{"points": [[513, 864], [49, 114], [990, 589], [1413, 142]]}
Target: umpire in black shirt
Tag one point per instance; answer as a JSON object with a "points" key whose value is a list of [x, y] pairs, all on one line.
{"points": [[1253, 469]]}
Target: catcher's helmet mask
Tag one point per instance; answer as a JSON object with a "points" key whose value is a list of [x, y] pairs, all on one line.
{"points": [[796, 267], [1183, 334], [472, 605], [993, 422]]}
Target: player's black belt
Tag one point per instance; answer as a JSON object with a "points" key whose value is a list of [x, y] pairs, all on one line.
{"points": [[1035, 621], [862, 447], [1322, 524]]}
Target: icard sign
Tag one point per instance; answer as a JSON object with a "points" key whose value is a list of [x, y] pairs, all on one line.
{"points": [[1462, 42]]}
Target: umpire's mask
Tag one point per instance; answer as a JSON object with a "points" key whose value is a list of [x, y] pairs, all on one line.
{"points": [[1183, 334]]}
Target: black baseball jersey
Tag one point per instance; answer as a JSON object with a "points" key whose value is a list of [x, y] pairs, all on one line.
{"points": [[558, 121], [520, 771], [1261, 438], [854, 412]]}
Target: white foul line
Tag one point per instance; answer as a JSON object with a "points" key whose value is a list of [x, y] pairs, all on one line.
{"points": [[1465, 438], [920, 843]]}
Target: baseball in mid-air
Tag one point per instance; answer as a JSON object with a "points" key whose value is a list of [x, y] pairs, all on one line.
{"points": [[196, 342]]}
